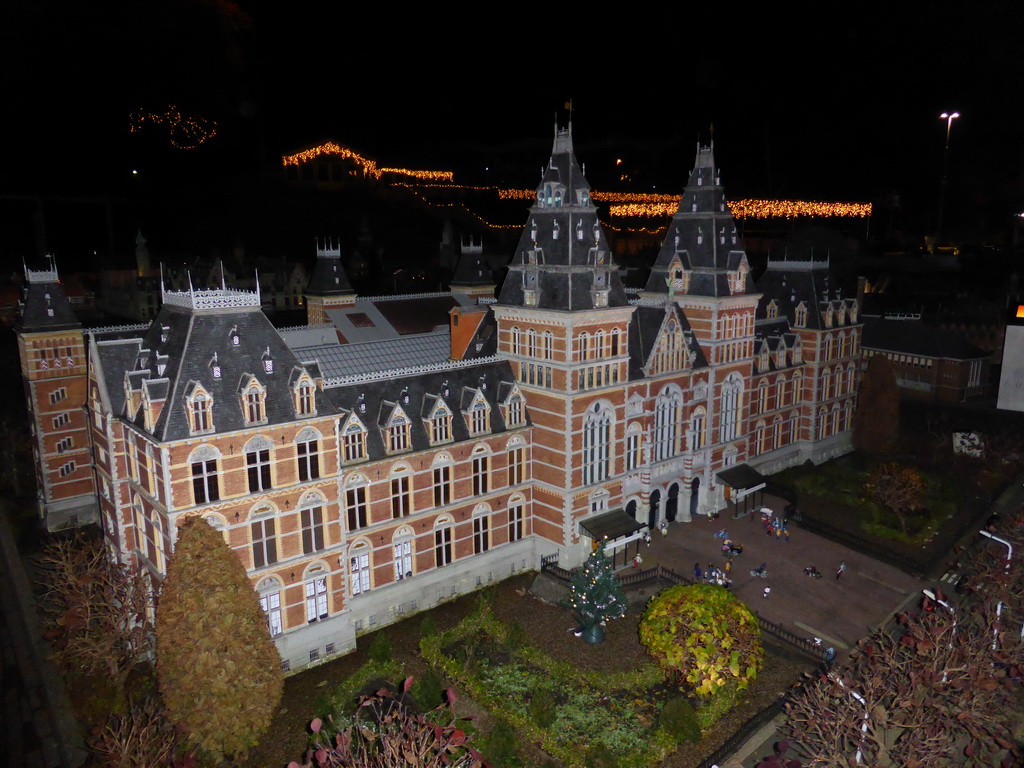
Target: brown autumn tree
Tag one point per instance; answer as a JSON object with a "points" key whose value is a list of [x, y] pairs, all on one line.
{"points": [[218, 670], [876, 423], [896, 487], [96, 611]]}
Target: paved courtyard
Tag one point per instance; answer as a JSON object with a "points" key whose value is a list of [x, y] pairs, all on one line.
{"points": [[838, 611]]}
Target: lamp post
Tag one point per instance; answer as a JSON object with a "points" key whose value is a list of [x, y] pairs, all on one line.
{"points": [[949, 117], [863, 725], [999, 605], [952, 612]]}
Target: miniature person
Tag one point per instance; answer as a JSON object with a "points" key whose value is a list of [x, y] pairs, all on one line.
{"points": [[697, 575], [663, 528], [839, 571], [637, 561], [647, 538], [767, 591]]}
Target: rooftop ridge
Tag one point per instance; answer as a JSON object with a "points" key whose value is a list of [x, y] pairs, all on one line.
{"points": [[313, 327], [399, 297], [125, 327], [338, 381]]}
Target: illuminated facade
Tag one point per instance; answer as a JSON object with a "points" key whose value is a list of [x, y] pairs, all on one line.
{"points": [[399, 451]]}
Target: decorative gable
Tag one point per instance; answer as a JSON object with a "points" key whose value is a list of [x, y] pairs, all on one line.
{"points": [[199, 409], [395, 428], [253, 399]]}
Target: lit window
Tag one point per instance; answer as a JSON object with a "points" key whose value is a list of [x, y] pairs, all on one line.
{"points": [[312, 520], [264, 543], [316, 599]]}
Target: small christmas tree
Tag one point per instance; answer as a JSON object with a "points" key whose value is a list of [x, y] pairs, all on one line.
{"points": [[596, 596]]}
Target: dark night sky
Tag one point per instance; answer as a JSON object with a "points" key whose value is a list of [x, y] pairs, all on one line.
{"points": [[838, 102]]}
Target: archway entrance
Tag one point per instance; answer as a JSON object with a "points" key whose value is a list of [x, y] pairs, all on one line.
{"points": [[672, 503], [631, 509], [694, 495], [652, 515]]}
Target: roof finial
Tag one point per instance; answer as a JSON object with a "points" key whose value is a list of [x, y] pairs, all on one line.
{"points": [[162, 289], [258, 294], [191, 292], [223, 285]]}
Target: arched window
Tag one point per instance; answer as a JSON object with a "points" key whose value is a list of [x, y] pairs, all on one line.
{"points": [[356, 508], [359, 567], [307, 454], [311, 519], [354, 441], [254, 401], [442, 479], [270, 601], [822, 423], [200, 411], [731, 407], [532, 343], [516, 522], [634, 444], [401, 491], [777, 432], [443, 541], [761, 436], [517, 340], [668, 410], [263, 534], [516, 461], [584, 342], [257, 461], [481, 470], [481, 529], [698, 428], [826, 384], [402, 551], [549, 345], [800, 319], [317, 607], [762, 397], [205, 476], [304, 395], [597, 440]]}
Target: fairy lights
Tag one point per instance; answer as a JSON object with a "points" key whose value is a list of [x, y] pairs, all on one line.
{"points": [[184, 131], [368, 166]]}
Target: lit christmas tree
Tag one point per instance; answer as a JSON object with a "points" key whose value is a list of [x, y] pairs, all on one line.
{"points": [[596, 596]]}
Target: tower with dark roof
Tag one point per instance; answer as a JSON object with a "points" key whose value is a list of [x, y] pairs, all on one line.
{"points": [[563, 322], [329, 286], [53, 365], [473, 275]]}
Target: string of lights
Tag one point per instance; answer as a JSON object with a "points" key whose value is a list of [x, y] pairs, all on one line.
{"points": [[368, 166], [184, 131]]}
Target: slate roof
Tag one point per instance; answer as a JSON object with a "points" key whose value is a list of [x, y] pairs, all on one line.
{"points": [[472, 270], [790, 283], [329, 278], [180, 347], [914, 337], [368, 357], [645, 330], [702, 234], [417, 394], [374, 319], [562, 256], [46, 307]]}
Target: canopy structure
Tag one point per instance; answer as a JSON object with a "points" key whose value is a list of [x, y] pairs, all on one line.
{"points": [[615, 530], [747, 482]]}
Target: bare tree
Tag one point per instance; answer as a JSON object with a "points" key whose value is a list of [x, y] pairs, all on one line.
{"points": [[96, 610], [897, 487]]}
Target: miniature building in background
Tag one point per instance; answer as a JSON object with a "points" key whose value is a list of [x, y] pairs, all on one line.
{"points": [[399, 451]]}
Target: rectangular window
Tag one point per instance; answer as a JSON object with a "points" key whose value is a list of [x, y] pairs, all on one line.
{"points": [[264, 544], [516, 463], [480, 471], [481, 534], [442, 546], [64, 444], [316, 600], [359, 567], [271, 605], [515, 521], [355, 501], [515, 413], [201, 414], [355, 444], [632, 451], [259, 470], [398, 438], [480, 423], [312, 530], [57, 395], [309, 460], [305, 400], [403, 559], [401, 501], [441, 428], [61, 421], [67, 469], [442, 486], [205, 485], [254, 407]]}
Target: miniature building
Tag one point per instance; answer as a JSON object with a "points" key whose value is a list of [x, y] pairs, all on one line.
{"points": [[400, 451]]}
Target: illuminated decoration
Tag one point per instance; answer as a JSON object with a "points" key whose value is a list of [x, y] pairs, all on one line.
{"points": [[184, 131], [1020, 310], [368, 166]]}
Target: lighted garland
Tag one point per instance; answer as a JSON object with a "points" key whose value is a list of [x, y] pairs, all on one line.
{"points": [[184, 131], [369, 166]]}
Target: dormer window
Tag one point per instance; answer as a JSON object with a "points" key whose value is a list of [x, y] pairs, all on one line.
{"points": [[215, 366], [773, 310], [236, 340], [354, 441], [478, 418], [828, 317], [200, 412], [441, 425], [268, 362], [397, 432], [516, 410], [163, 333], [305, 398], [254, 400], [801, 316]]}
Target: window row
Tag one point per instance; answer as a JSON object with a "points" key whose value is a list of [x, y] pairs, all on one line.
{"points": [[252, 399], [258, 463]]}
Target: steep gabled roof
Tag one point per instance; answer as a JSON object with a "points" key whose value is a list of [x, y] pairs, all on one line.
{"points": [[702, 240], [46, 306], [650, 323], [563, 261], [791, 284]]}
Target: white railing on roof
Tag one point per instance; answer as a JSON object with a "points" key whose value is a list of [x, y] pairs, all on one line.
{"points": [[783, 264], [123, 328], [215, 298], [401, 296], [41, 275], [393, 373], [313, 327], [649, 301]]}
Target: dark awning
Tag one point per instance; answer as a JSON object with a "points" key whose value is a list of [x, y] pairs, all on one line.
{"points": [[741, 477], [610, 525]]}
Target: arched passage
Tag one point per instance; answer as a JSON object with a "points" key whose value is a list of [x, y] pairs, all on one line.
{"points": [[652, 515], [694, 495], [672, 503]]}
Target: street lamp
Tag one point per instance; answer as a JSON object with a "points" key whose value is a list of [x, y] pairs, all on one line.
{"points": [[949, 117], [864, 725], [952, 612], [999, 605]]}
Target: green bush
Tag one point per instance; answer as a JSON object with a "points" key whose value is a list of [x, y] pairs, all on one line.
{"points": [[380, 649], [516, 637], [679, 720], [717, 704], [502, 745], [543, 708], [428, 689], [428, 627]]}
